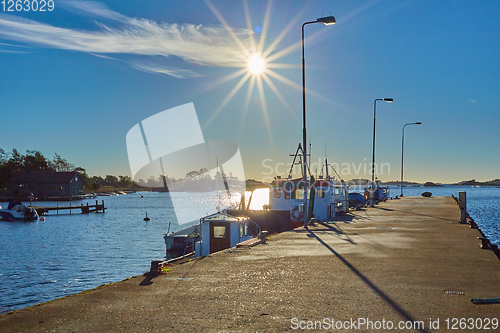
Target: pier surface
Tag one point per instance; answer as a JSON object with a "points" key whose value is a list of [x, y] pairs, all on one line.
{"points": [[404, 261]]}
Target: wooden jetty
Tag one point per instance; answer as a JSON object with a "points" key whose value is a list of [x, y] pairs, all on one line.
{"points": [[85, 209]]}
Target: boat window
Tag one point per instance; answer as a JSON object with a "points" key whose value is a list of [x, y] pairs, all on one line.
{"points": [[246, 229], [277, 193], [299, 194], [337, 191], [219, 231], [321, 193], [241, 230], [287, 195]]}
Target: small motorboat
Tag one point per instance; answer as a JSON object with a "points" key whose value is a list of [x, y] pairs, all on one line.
{"points": [[356, 200], [17, 211]]}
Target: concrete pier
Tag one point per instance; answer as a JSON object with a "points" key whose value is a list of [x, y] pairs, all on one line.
{"points": [[407, 262]]}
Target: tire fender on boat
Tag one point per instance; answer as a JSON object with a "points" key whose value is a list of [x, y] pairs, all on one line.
{"points": [[296, 214]]}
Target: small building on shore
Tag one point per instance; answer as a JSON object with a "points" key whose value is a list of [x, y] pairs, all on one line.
{"points": [[45, 185]]}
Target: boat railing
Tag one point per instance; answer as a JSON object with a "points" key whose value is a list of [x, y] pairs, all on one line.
{"points": [[257, 229]]}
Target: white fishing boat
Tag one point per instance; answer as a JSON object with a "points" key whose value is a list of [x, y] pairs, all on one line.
{"points": [[17, 211], [327, 197]]}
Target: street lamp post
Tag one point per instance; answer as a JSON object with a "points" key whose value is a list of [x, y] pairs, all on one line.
{"points": [[388, 100], [402, 150], [329, 20]]}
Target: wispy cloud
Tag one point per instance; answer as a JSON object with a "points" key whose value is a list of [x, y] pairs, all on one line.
{"points": [[154, 68], [14, 45], [12, 51], [93, 8], [207, 46]]}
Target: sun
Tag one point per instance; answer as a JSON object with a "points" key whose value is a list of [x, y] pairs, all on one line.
{"points": [[256, 65]]}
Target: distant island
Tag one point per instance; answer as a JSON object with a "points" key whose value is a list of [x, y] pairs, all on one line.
{"points": [[473, 182]]}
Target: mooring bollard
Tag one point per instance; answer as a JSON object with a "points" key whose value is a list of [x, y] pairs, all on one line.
{"points": [[462, 203], [156, 266], [263, 236], [485, 243]]}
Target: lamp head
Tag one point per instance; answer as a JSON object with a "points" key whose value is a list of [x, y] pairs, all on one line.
{"points": [[329, 20], [388, 99], [418, 123]]}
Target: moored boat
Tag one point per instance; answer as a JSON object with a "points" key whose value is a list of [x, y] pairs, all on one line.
{"points": [[356, 200], [17, 211], [380, 193], [327, 197], [214, 233]]}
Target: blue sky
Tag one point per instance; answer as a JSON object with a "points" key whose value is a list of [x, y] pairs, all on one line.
{"points": [[75, 80]]}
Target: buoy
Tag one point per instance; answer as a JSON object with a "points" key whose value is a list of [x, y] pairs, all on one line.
{"points": [[42, 218], [147, 218]]}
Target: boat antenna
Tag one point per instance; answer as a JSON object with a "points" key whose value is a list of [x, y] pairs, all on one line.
{"points": [[310, 151], [224, 179], [298, 153], [335, 172], [326, 165]]}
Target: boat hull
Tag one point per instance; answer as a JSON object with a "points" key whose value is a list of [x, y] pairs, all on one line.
{"points": [[11, 216]]}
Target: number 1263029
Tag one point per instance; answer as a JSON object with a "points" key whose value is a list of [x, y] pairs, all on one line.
{"points": [[27, 5]]}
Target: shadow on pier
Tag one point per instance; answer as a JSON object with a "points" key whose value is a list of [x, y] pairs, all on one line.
{"points": [[368, 282]]}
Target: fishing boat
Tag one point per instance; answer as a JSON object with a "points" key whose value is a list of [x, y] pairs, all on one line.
{"points": [[213, 233], [380, 193], [17, 211], [327, 196]]}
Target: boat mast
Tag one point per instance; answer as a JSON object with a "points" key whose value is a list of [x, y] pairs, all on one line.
{"points": [[326, 165], [217, 175]]}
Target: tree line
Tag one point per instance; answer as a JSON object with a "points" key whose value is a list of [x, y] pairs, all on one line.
{"points": [[34, 161], [15, 162]]}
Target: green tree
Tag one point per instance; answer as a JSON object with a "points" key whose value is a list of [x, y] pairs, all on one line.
{"points": [[111, 180], [34, 161], [60, 164]]}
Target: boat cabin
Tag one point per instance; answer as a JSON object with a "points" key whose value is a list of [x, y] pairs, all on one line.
{"points": [[220, 231], [329, 198]]}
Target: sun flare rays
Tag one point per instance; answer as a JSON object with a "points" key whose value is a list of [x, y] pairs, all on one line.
{"points": [[258, 66]]}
